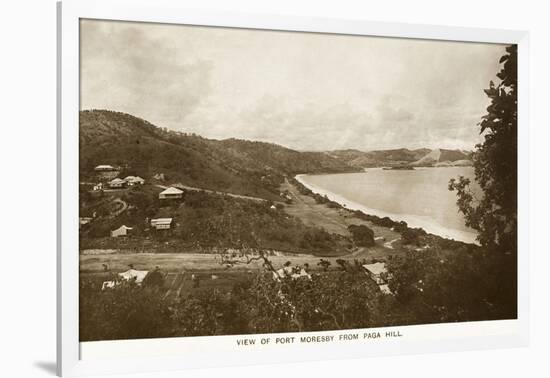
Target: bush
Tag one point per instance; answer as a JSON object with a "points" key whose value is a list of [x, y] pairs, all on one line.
{"points": [[127, 311], [413, 236], [362, 235]]}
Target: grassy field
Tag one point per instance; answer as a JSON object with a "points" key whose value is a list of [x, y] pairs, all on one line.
{"points": [[336, 221]]}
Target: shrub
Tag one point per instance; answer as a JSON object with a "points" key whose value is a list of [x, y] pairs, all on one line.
{"points": [[362, 235]]}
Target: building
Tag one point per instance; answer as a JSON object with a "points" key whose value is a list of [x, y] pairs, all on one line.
{"points": [[161, 223], [377, 272], [137, 275], [121, 231], [134, 180], [292, 272], [104, 168], [171, 193], [108, 285], [82, 221], [98, 187], [117, 183]]}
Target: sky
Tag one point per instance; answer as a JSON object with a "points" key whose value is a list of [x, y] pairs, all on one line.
{"points": [[306, 91]]}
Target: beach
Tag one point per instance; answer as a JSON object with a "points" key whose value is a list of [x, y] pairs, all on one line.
{"points": [[415, 221]]}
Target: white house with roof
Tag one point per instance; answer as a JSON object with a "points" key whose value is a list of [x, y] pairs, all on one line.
{"points": [[133, 274], [104, 168], [121, 231], [161, 223], [82, 221], [134, 180], [376, 271], [117, 183], [171, 193]]}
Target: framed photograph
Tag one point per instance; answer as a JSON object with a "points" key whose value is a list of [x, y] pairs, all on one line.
{"points": [[251, 188]]}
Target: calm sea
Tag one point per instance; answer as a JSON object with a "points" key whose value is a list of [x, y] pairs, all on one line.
{"points": [[419, 197]]}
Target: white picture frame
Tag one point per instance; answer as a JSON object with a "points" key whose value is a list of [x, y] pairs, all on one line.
{"points": [[181, 353]]}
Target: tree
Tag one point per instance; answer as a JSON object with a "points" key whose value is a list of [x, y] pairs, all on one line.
{"points": [[325, 264], [154, 278], [494, 215], [412, 236], [362, 235], [495, 165]]}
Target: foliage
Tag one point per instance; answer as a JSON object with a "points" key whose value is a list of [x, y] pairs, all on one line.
{"points": [[127, 312], [362, 235], [325, 264], [207, 221], [495, 163], [465, 285], [207, 314], [428, 286], [221, 221], [154, 279], [412, 236]]}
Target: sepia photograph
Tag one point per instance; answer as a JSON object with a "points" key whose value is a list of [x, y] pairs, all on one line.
{"points": [[238, 181]]}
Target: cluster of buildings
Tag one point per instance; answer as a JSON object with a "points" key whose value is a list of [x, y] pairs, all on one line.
{"points": [[119, 183], [109, 172]]}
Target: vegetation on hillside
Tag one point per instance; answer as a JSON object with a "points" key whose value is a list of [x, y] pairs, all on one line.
{"points": [[205, 221], [237, 166]]}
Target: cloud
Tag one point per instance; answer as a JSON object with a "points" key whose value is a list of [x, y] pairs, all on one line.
{"points": [[124, 69], [303, 90]]}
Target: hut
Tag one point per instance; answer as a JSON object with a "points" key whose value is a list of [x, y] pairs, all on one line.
{"points": [[104, 168], [121, 231], [133, 274], [376, 271], [134, 180], [161, 223], [171, 193], [117, 183]]}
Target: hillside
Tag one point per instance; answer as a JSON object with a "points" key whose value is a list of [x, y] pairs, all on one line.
{"points": [[443, 158], [243, 167], [402, 156]]}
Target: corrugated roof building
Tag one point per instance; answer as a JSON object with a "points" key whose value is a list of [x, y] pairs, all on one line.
{"points": [[171, 193], [161, 223]]}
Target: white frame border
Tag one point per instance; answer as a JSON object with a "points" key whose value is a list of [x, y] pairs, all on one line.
{"points": [[166, 11]]}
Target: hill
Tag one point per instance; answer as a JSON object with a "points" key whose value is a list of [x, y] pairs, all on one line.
{"points": [[233, 165], [443, 158], [402, 157], [379, 158]]}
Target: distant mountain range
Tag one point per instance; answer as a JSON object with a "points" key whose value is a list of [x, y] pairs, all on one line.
{"points": [[422, 157]]}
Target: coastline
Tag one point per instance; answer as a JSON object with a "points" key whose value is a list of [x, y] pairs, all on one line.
{"points": [[413, 221]]}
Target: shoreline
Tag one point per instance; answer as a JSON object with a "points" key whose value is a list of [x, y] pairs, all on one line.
{"points": [[413, 221]]}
